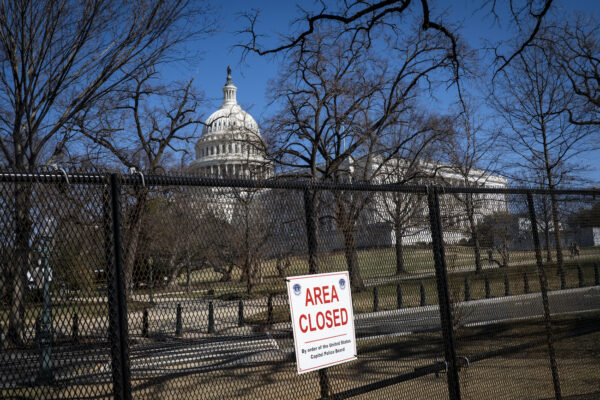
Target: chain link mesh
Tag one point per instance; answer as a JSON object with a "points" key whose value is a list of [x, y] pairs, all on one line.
{"points": [[502, 341], [196, 305], [54, 317]]}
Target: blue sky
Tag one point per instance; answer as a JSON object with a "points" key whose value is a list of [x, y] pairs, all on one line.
{"points": [[251, 77]]}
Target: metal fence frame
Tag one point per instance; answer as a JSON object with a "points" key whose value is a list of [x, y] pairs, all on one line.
{"points": [[119, 336]]}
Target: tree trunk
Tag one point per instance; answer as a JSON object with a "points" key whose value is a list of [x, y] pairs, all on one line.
{"points": [[248, 272], [249, 276], [134, 230], [21, 264], [187, 278], [348, 228], [505, 254], [556, 224], [398, 230], [280, 267], [547, 243], [176, 270], [352, 258], [474, 235], [554, 207], [225, 272], [244, 274], [310, 207], [310, 215]]}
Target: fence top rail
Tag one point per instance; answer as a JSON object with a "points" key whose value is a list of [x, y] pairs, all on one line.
{"points": [[53, 177], [96, 178]]}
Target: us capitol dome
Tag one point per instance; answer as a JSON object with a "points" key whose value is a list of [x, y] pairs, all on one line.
{"points": [[231, 145]]}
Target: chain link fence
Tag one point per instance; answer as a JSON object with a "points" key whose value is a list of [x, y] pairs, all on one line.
{"points": [[133, 286]]}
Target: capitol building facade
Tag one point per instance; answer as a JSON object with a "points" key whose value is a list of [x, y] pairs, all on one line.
{"points": [[231, 146]]}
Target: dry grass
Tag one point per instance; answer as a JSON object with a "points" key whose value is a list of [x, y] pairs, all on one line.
{"points": [[523, 374]]}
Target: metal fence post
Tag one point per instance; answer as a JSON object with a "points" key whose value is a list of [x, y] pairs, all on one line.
{"points": [[375, 299], [398, 296], [241, 313], [211, 317], [75, 328], [441, 275], [313, 267], [117, 302], [270, 310], [544, 288], [145, 323], [178, 321]]}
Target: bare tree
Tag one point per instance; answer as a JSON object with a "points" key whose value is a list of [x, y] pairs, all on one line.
{"points": [[218, 233], [576, 50], [172, 225], [409, 164], [470, 159], [390, 155], [142, 125], [253, 227], [309, 131], [543, 209], [163, 121], [358, 21], [530, 99], [498, 231], [403, 210], [340, 101], [57, 58], [397, 17]]}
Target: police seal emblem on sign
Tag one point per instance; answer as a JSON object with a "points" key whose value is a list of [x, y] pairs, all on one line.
{"points": [[297, 289], [342, 283]]}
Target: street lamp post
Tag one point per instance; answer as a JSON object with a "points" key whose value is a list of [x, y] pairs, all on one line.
{"points": [[45, 374]]}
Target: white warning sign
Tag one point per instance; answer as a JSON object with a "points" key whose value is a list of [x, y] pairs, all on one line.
{"points": [[322, 320]]}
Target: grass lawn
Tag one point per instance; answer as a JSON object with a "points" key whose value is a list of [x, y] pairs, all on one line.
{"points": [[363, 301], [377, 264], [374, 264]]}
